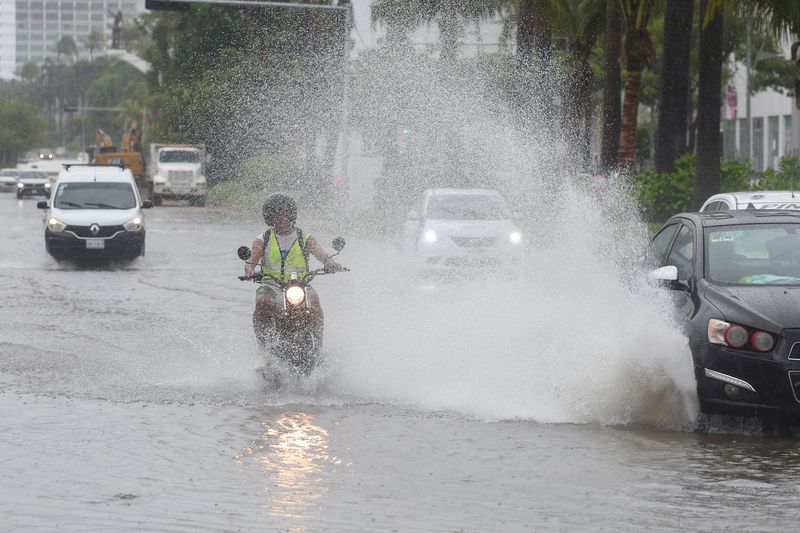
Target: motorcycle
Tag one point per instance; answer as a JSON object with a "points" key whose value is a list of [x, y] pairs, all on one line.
{"points": [[294, 336]]}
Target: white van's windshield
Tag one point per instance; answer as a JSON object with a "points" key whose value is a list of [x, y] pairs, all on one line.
{"points": [[179, 156], [94, 195]]}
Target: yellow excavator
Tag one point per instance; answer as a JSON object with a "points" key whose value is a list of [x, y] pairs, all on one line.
{"points": [[128, 154]]}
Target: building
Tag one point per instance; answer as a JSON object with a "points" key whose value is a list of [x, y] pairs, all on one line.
{"points": [[30, 29], [775, 124]]}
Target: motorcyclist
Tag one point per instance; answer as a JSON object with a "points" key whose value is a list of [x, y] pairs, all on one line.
{"points": [[282, 251]]}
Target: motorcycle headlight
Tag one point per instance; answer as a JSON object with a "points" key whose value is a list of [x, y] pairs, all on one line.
{"points": [[515, 237], [295, 295], [430, 236], [55, 225], [134, 224]]}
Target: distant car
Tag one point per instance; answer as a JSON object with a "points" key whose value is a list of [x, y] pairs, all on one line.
{"points": [[785, 200], [8, 179], [461, 228], [736, 280], [33, 182], [95, 212]]}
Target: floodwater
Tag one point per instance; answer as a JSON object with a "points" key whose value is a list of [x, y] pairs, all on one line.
{"points": [[128, 401]]}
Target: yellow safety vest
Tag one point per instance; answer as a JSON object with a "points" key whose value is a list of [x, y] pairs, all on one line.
{"points": [[279, 268]]}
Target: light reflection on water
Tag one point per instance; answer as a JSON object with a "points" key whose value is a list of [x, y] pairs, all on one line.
{"points": [[293, 452]]}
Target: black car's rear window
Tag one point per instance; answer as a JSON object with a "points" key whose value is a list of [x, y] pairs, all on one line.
{"points": [[94, 195], [766, 254]]}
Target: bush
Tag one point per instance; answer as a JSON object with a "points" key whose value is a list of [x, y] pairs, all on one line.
{"points": [[663, 195]]}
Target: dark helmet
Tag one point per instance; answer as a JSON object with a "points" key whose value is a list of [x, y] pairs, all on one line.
{"points": [[279, 202]]}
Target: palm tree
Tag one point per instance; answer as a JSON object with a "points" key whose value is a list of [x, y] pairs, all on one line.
{"points": [[639, 51], [582, 21], [66, 46], [535, 32], [95, 41], [449, 15], [612, 86], [674, 88], [709, 101]]}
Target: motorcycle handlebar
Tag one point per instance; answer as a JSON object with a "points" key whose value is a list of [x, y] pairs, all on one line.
{"points": [[258, 276]]}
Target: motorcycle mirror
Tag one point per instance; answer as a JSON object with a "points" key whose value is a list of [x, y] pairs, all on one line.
{"points": [[338, 244], [244, 253]]}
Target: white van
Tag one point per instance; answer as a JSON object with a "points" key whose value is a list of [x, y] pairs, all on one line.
{"points": [[94, 212]]}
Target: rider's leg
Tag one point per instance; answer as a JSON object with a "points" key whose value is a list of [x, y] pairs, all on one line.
{"points": [[265, 311]]}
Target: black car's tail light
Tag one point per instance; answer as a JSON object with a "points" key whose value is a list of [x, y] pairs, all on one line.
{"points": [[736, 336], [740, 337], [762, 341]]}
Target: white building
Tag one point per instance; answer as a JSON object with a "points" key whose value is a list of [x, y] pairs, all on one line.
{"points": [[30, 29], [775, 124]]}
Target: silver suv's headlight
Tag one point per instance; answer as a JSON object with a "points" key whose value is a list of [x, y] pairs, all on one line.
{"points": [[515, 237], [134, 224], [55, 225]]}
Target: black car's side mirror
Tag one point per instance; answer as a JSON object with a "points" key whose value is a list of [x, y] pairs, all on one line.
{"points": [[244, 253], [338, 244], [42, 205]]}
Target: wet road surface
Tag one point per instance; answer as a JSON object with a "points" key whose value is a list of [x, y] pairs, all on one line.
{"points": [[128, 402]]}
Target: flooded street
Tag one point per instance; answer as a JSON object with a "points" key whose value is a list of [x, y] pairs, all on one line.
{"points": [[128, 402]]}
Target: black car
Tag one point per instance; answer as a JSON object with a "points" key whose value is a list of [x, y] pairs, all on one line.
{"points": [[736, 282]]}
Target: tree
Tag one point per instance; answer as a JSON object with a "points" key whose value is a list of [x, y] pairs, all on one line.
{"points": [[581, 21], [612, 86], [639, 51], [95, 41], [709, 102], [21, 128], [66, 46], [29, 71], [674, 87]]}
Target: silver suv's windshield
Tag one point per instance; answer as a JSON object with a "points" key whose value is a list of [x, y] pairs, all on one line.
{"points": [[179, 156], [94, 195], [466, 207], [754, 255]]}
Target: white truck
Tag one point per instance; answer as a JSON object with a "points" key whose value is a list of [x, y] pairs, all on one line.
{"points": [[178, 171]]}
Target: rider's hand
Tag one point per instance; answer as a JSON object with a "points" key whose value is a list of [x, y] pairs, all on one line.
{"points": [[332, 266], [248, 269]]}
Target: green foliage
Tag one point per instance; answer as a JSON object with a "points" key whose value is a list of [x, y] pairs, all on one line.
{"points": [[786, 177], [21, 128], [663, 195]]}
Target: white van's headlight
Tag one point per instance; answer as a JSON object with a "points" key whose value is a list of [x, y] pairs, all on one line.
{"points": [[47, 185], [134, 224], [515, 237], [55, 225], [430, 236]]}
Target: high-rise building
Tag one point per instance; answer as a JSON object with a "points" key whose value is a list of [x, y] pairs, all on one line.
{"points": [[30, 29]]}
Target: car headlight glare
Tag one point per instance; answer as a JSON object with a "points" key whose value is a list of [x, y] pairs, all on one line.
{"points": [[430, 236], [21, 185], [55, 225], [515, 237], [46, 185], [134, 224], [295, 295]]}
